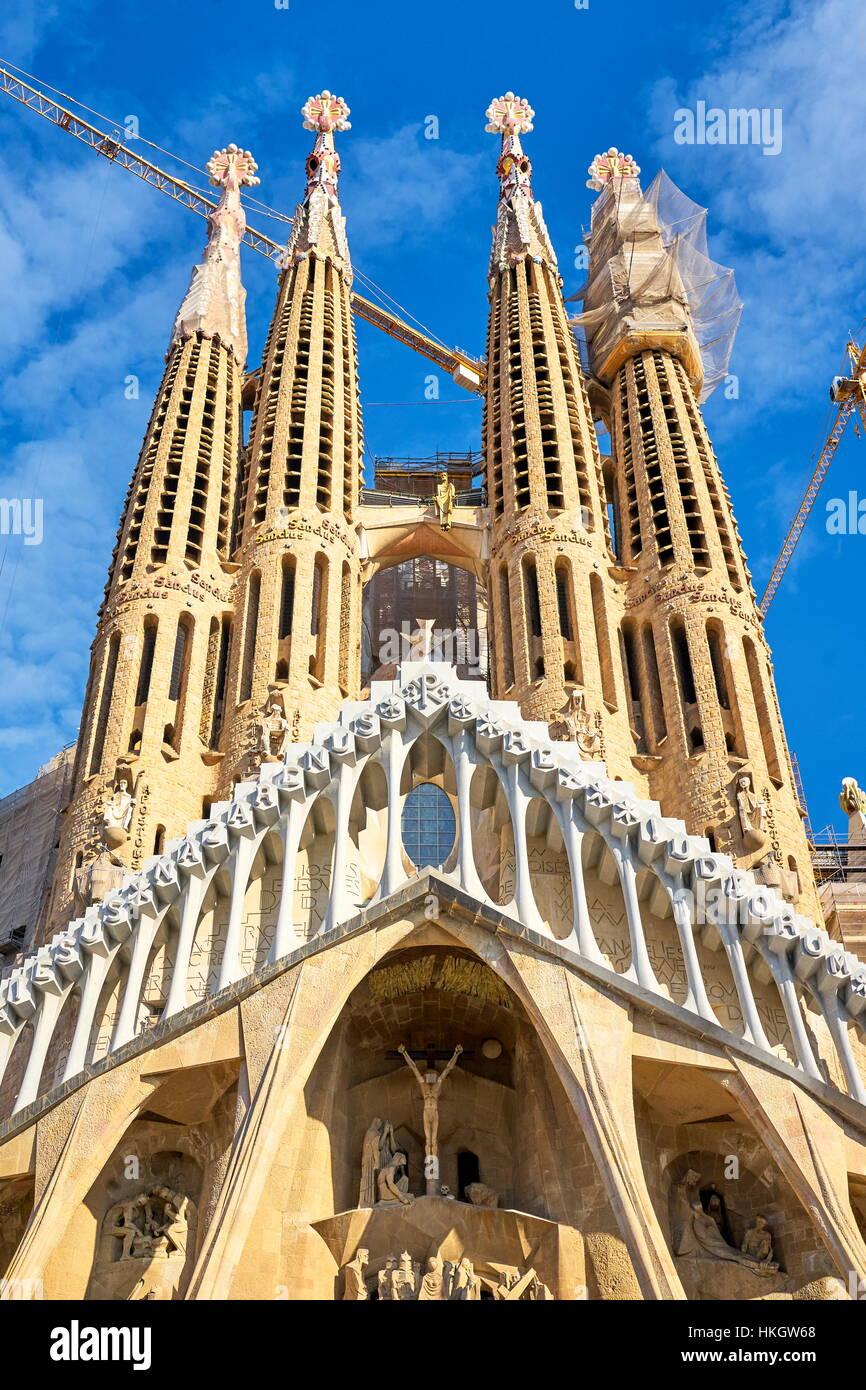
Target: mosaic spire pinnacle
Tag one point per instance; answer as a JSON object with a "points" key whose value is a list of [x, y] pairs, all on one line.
{"points": [[511, 116], [324, 113], [214, 302], [611, 166]]}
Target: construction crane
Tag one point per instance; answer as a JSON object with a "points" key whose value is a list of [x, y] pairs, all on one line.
{"points": [[848, 393], [466, 371]]}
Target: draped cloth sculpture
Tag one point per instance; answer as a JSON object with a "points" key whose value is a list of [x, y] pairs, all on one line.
{"points": [[376, 1153], [696, 1233]]}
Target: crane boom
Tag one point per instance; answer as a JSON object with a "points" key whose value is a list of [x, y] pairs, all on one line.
{"points": [[466, 371], [846, 409]]}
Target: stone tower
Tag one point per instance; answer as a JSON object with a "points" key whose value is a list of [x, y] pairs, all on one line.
{"points": [[153, 706], [553, 595], [703, 706], [428, 982], [296, 647]]}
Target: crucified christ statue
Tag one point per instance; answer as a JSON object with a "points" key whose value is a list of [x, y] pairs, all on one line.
{"points": [[430, 1085]]}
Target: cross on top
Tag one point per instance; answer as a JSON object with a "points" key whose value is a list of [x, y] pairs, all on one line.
{"points": [[613, 164], [509, 115], [223, 162], [325, 113]]}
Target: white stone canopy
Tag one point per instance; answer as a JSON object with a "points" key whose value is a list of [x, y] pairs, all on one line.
{"points": [[658, 868]]}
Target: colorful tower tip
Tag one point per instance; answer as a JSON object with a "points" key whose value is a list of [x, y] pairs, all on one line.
{"points": [[232, 160], [325, 113], [609, 166], [509, 115]]}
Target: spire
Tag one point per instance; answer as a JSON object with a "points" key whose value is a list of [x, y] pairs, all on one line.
{"points": [[611, 167], [520, 230], [319, 225], [214, 303]]}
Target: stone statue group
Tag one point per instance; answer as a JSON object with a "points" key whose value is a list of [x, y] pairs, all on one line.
{"points": [[383, 1166], [401, 1280], [151, 1226], [698, 1231], [443, 1281]]}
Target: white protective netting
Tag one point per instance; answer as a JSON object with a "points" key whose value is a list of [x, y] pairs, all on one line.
{"points": [[686, 273]]}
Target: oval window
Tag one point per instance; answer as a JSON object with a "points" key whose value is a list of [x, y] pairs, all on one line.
{"points": [[429, 826]]}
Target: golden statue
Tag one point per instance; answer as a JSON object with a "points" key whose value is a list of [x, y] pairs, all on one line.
{"points": [[445, 494]]}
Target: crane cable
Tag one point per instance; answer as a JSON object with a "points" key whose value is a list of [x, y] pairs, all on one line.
{"points": [[264, 208], [118, 126]]}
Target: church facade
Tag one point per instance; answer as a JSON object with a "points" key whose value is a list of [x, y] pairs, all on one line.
{"points": [[426, 978]]}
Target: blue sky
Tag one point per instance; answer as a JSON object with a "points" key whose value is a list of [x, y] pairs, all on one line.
{"points": [[93, 265]]}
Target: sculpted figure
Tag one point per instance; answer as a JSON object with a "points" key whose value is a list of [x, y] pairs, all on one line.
{"points": [[430, 1085], [752, 812], [393, 1187], [404, 1280], [385, 1279], [433, 1284], [126, 1229], [376, 1152], [513, 1285], [273, 732], [117, 810], [355, 1289], [852, 798], [480, 1195], [586, 736], [153, 1225], [466, 1284], [445, 494], [758, 1242], [698, 1233], [173, 1228], [716, 1210]]}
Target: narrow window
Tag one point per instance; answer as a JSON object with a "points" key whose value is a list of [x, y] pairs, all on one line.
{"points": [[221, 682], [686, 683], [105, 702], [571, 664], [146, 665], [654, 687], [252, 623], [178, 679], [563, 601], [602, 641], [318, 616], [505, 643], [533, 618], [718, 664], [345, 626], [683, 658], [287, 598], [762, 709], [178, 663], [614, 524], [533, 605], [632, 674]]}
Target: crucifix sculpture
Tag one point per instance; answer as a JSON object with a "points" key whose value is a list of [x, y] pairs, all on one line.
{"points": [[430, 1085]]}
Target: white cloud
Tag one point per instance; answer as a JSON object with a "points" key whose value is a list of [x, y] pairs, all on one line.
{"points": [[791, 224], [401, 187]]}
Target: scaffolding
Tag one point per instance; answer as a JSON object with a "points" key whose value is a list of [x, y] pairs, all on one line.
{"points": [[664, 278], [397, 481]]}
